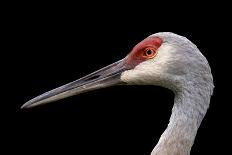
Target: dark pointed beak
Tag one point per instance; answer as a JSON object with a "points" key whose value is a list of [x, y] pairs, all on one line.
{"points": [[105, 77]]}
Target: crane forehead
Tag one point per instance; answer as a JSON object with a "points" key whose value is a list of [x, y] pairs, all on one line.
{"points": [[150, 41], [135, 56]]}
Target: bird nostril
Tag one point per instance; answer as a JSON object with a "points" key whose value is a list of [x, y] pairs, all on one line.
{"points": [[92, 78]]}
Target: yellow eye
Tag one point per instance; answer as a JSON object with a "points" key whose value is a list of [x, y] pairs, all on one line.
{"points": [[149, 53]]}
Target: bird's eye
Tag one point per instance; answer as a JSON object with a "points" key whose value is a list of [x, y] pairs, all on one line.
{"points": [[149, 53]]}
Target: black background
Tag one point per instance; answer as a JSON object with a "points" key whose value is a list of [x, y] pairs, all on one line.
{"points": [[48, 45]]}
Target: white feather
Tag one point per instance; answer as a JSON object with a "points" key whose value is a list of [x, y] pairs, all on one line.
{"points": [[181, 67]]}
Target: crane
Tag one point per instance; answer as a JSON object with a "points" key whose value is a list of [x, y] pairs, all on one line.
{"points": [[163, 59]]}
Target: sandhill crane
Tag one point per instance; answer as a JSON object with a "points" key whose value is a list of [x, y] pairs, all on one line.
{"points": [[164, 59]]}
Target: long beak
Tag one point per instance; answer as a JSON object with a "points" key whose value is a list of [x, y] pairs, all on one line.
{"points": [[105, 77]]}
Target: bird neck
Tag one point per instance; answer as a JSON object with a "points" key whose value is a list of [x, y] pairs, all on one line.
{"points": [[189, 108]]}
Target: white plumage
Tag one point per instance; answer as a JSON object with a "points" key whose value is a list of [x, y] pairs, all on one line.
{"points": [[179, 66]]}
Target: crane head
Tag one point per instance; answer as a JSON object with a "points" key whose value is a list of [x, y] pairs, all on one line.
{"points": [[163, 59]]}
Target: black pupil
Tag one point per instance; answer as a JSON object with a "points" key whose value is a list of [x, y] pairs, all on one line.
{"points": [[149, 52]]}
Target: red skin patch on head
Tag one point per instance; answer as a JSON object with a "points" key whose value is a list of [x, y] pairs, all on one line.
{"points": [[136, 56]]}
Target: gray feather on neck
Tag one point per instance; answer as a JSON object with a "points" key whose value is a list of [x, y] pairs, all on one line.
{"points": [[191, 80]]}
